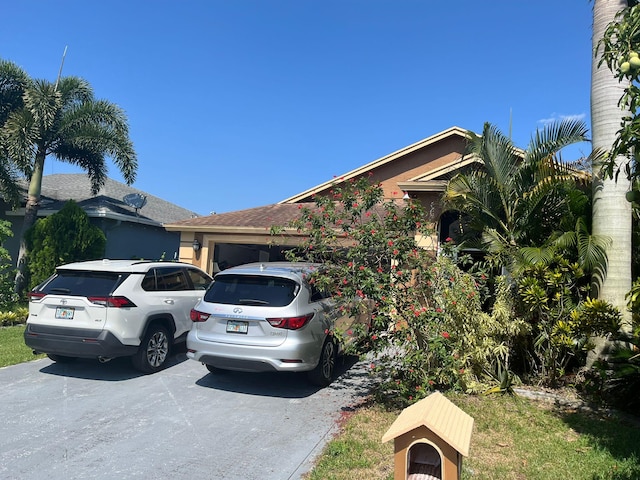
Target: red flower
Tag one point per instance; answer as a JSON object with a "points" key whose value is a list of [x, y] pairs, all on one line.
{"points": [[445, 335]]}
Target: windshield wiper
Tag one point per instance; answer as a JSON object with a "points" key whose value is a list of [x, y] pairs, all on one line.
{"points": [[252, 301], [60, 290]]}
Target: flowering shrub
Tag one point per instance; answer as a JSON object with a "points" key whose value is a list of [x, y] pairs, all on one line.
{"points": [[427, 328]]}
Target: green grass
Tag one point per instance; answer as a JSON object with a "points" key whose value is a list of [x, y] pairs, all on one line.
{"points": [[12, 347], [513, 438]]}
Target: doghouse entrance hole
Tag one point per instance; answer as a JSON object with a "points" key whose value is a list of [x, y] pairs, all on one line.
{"points": [[424, 462]]}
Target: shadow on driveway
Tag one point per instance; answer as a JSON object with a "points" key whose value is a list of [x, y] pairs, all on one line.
{"points": [[115, 370], [349, 376]]}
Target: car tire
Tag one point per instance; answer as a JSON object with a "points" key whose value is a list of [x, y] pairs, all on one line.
{"points": [[154, 350], [322, 375], [61, 358]]}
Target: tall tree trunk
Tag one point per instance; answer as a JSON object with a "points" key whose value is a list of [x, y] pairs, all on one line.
{"points": [[611, 211], [30, 217]]}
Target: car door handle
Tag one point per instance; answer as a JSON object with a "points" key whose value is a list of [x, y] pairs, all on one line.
{"points": [[169, 301]]}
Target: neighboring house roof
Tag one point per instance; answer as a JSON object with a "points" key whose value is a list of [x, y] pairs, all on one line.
{"points": [[259, 218], [57, 189]]}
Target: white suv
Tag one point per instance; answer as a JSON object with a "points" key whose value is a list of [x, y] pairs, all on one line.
{"points": [[114, 308]]}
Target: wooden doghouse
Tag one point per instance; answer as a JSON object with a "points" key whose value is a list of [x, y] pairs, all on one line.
{"points": [[430, 438]]}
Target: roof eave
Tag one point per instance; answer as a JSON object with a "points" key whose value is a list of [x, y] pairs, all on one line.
{"points": [[379, 162]]}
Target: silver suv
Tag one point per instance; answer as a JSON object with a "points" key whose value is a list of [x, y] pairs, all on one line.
{"points": [[114, 308], [269, 317]]}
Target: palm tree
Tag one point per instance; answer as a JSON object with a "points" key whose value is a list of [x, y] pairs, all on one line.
{"points": [[611, 211], [520, 198], [13, 81], [65, 121]]}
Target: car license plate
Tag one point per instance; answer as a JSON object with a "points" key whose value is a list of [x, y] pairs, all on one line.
{"points": [[234, 326], [65, 313]]}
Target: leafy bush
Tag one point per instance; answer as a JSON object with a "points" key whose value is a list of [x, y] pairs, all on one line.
{"points": [[553, 299], [7, 272], [64, 237], [428, 330], [16, 316]]}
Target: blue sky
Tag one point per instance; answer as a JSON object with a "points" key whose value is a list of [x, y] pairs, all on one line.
{"points": [[242, 103]]}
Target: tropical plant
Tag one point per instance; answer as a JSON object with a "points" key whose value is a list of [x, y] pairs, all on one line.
{"points": [[64, 237], [64, 120], [553, 299], [519, 200], [7, 296], [616, 44], [13, 82]]}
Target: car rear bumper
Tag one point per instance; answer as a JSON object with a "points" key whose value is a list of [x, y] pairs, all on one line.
{"points": [[75, 342], [244, 358]]}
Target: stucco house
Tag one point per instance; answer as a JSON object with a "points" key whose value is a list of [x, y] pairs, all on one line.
{"points": [[419, 171], [132, 220]]}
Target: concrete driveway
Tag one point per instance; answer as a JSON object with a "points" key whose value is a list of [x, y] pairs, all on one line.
{"points": [[88, 420]]}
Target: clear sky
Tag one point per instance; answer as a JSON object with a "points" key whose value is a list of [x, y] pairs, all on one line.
{"points": [[241, 103]]}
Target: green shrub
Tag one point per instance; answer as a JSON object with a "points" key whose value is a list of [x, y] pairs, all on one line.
{"points": [[64, 237], [553, 299], [17, 316]]}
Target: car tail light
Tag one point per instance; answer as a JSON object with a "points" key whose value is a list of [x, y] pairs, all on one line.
{"points": [[197, 316], [290, 323], [112, 302], [35, 296]]}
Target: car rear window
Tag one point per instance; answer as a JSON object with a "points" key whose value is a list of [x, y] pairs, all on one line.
{"points": [[78, 283], [252, 290]]}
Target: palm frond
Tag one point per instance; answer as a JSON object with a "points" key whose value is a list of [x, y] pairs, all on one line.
{"points": [[537, 255]]}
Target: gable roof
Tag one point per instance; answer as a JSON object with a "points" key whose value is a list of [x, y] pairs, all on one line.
{"points": [[364, 169], [439, 415], [57, 189]]}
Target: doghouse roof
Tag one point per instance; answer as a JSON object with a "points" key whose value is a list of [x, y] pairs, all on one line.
{"points": [[440, 416]]}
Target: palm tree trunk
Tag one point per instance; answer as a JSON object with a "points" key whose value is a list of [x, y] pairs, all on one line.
{"points": [[611, 211], [30, 217]]}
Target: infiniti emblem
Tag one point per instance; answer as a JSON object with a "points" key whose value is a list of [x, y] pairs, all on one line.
{"points": [[237, 310]]}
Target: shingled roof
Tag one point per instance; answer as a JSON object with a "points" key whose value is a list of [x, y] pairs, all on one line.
{"points": [[57, 189], [255, 218]]}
